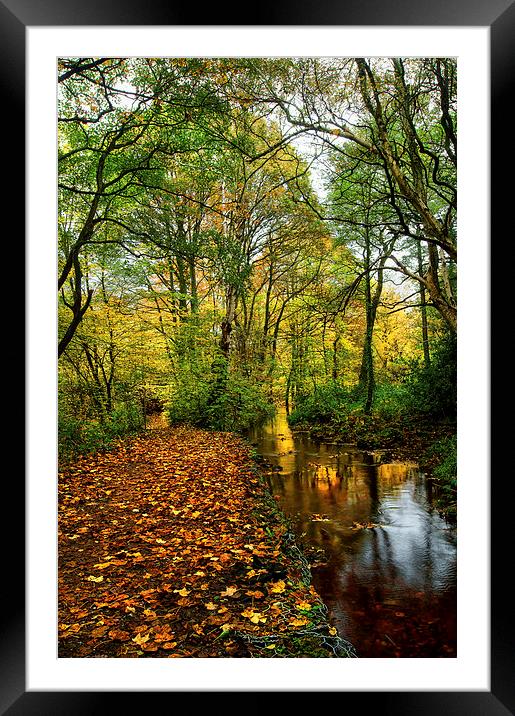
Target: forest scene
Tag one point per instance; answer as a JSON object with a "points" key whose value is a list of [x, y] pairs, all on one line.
{"points": [[257, 291]]}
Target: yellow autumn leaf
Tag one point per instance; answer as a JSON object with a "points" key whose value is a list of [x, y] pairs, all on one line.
{"points": [[305, 606], [210, 606], [277, 587], [183, 592], [333, 631], [257, 618], [139, 639], [298, 621], [92, 578]]}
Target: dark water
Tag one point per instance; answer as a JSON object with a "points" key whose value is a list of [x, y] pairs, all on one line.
{"points": [[383, 560]]}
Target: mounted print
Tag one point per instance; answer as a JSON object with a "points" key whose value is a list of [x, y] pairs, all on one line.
{"points": [[257, 373]]}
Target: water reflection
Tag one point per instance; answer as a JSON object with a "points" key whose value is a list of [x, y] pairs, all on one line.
{"points": [[387, 569]]}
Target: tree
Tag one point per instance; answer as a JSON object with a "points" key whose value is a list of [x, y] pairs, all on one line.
{"points": [[400, 115]]}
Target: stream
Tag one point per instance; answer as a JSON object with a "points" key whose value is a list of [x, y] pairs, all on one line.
{"points": [[383, 560]]}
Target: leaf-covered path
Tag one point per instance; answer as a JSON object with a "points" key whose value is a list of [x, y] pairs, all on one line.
{"points": [[170, 545]]}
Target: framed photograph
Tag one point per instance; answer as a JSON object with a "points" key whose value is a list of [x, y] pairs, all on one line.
{"points": [[473, 673]]}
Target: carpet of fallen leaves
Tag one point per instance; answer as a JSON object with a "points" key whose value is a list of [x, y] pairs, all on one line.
{"points": [[170, 545]]}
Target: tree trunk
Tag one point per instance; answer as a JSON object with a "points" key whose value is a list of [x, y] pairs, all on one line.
{"points": [[231, 301], [423, 311], [366, 375]]}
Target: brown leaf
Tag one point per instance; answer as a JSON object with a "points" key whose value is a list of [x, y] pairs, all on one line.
{"points": [[118, 635]]}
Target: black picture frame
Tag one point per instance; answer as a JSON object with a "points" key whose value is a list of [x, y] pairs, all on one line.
{"points": [[15, 17]]}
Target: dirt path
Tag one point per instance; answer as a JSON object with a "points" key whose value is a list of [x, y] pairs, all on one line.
{"points": [[171, 546]]}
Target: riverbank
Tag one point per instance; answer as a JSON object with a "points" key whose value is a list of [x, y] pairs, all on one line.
{"points": [[171, 545]]}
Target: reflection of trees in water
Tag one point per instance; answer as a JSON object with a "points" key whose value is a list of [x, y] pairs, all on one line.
{"points": [[383, 558], [372, 574]]}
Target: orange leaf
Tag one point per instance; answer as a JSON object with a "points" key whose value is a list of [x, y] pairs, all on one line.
{"points": [[298, 621], [118, 635]]}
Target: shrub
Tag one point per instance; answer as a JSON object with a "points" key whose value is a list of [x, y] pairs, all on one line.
{"points": [[441, 458], [390, 400], [220, 400], [330, 404], [431, 390], [325, 405], [84, 437], [238, 406], [126, 418]]}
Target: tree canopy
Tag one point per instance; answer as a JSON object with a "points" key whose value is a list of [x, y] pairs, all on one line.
{"points": [[234, 232]]}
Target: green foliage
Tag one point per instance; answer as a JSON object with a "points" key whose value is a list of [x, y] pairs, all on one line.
{"points": [[239, 406], [188, 400], [325, 404], [390, 400], [442, 460], [220, 400], [333, 403], [84, 437], [431, 390]]}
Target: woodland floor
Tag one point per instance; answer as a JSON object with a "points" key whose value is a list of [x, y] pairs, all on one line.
{"points": [[170, 545]]}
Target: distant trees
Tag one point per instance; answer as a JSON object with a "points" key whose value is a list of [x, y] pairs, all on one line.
{"points": [[195, 237]]}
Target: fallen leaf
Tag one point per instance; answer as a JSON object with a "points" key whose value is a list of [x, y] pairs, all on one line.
{"points": [[99, 631], [298, 621], [118, 635], [257, 618], [255, 593], [139, 639], [277, 587], [229, 591]]}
